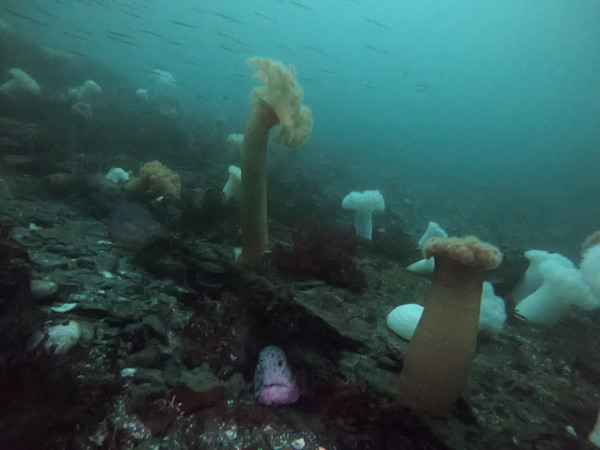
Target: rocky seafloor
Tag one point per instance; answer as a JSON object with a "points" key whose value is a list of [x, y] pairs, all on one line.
{"points": [[191, 322]]}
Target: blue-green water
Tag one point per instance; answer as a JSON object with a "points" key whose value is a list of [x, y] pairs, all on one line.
{"points": [[482, 108]]}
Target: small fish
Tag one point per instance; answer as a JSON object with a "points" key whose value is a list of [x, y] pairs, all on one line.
{"points": [[378, 50], [118, 39], [182, 24], [73, 35], [331, 72], [379, 24], [300, 5], [256, 13], [129, 13], [226, 17], [119, 34], [274, 382], [287, 49], [309, 80], [234, 39], [166, 41], [193, 8], [314, 49], [228, 49], [23, 16], [240, 42], [152, 33]]}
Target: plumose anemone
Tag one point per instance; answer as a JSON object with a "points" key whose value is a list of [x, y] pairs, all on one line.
{"points": [[279, 101], [364, 204], [20, 83], [440, 354], [232, 188]]}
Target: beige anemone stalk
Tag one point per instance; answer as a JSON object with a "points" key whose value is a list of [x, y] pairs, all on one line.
{"points": [[278, 101], [440, 354]]}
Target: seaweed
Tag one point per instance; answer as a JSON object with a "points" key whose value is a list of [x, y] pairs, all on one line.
{"points": [[327, 255]]}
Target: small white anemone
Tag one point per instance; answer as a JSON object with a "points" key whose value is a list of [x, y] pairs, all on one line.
{"points": [[403, 320], [532, 279], [142, 94], [433, 230], [162, 83], [590, 269], [425, 266], [492, 315], [20, 83], [364, 204], [88, 92], [118, 175], [236, 142], [561, 287], [164, 77], [233, 187]]}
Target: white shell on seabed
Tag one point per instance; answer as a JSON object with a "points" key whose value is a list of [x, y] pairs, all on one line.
{"points": [[64, 307], [298, 444]]}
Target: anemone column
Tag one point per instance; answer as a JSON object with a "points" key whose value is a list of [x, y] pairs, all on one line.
{"points": [[279, 101], [440, 354], [255, 235]]}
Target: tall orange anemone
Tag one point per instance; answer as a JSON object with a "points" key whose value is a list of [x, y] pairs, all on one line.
{"points": [[277, 101], [440, 354]]}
